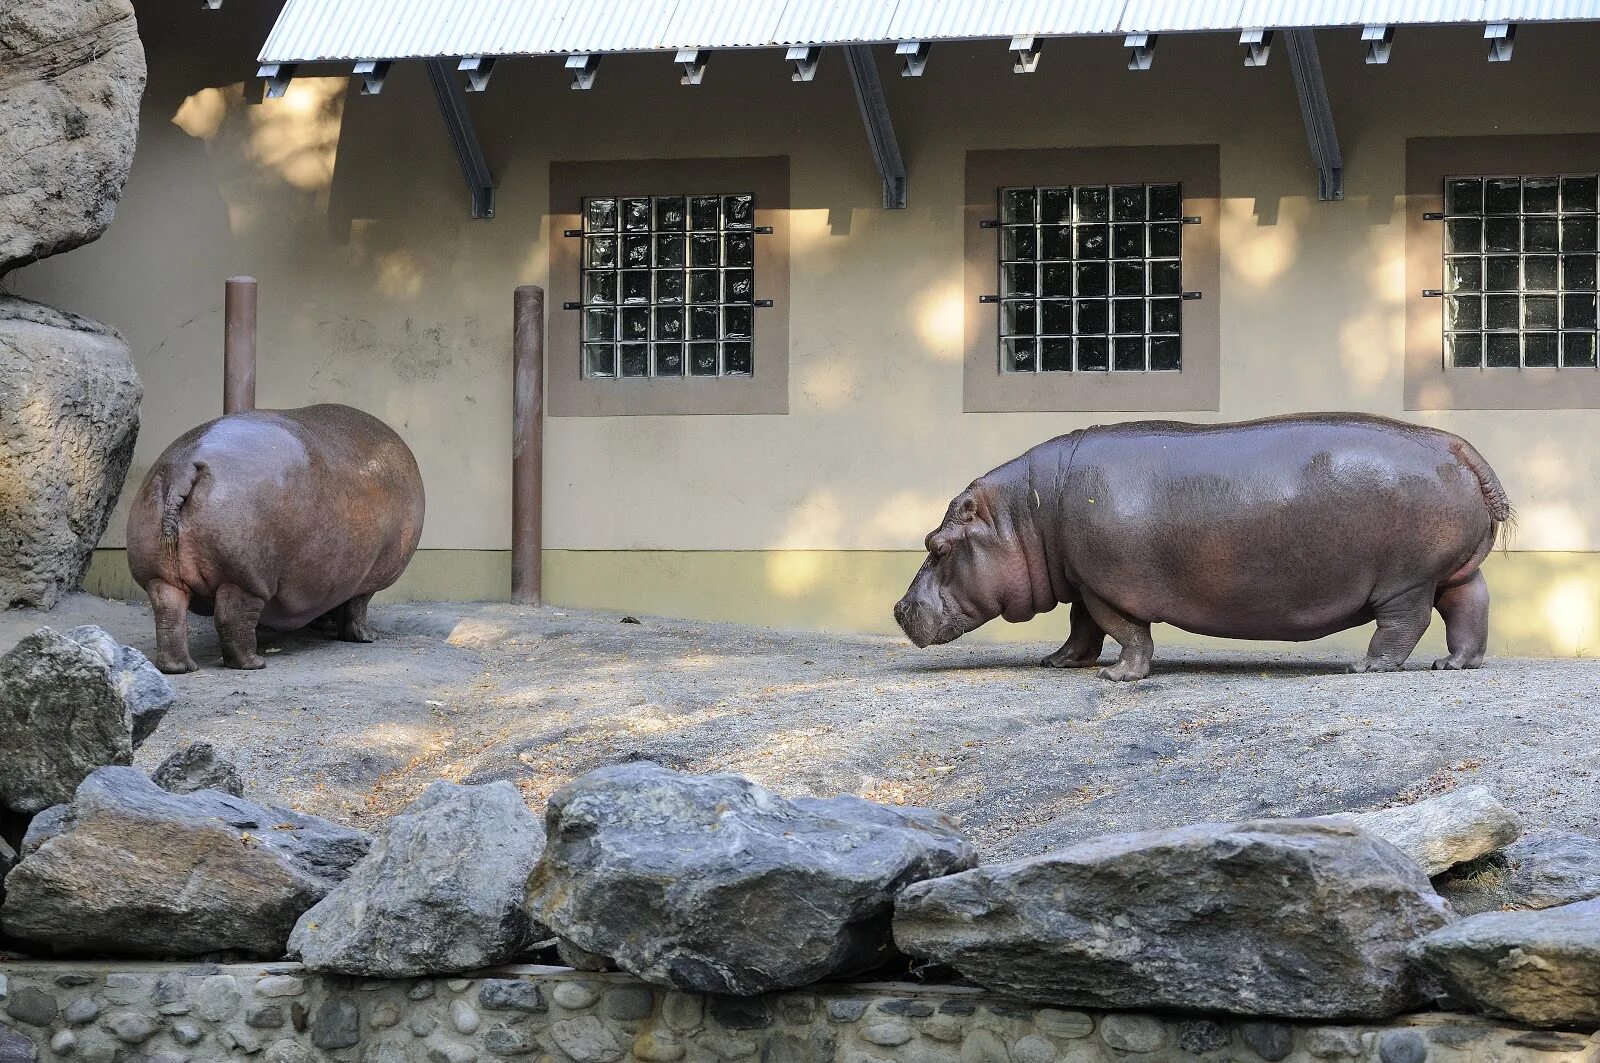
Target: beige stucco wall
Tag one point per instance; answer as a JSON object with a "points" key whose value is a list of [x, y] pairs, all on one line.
{"points": [[378, 290]]}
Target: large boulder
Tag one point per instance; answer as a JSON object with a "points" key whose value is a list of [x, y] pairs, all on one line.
{"points": [[1292, 918], [1540, 967], [1444, 831], [1541, 869], [441, 891], [69, 415], [71, 75], [713, 884], [197, 767], [70, 703], [130, 869]]}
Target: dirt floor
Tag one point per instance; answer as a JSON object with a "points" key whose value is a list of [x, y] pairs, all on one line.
{"points": [[1027, 758]]}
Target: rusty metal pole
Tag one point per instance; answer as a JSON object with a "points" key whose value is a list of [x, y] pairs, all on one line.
{"points": [[239, 346], [527, 447]]}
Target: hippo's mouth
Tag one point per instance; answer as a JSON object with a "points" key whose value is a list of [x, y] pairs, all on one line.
{"points": [[923, 635]]}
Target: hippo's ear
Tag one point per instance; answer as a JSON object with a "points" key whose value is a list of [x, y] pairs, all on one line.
{"points": [[965, 508]]}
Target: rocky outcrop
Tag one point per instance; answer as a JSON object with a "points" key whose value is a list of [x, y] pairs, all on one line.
{"points": [[70, 703], [69, 415], [1288, 918], [441, 891], [1541, 869], [712, 883], [1539, 967], [1444, 831], [129, 869], [197, 767], [71, 75]]}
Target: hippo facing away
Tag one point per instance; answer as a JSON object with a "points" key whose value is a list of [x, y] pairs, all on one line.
{"points": [[1283, 528], [277, 518]]}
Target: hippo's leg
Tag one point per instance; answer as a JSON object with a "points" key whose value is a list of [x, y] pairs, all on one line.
{"points": [[1465, 608], [237, 615], [1084, 642], [1132, 635], [353, 626], [1401, 622], [171, 605]]}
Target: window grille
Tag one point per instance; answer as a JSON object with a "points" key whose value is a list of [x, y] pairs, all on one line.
{"points": [[1520, 256], [668, 285], [1091, 278]]}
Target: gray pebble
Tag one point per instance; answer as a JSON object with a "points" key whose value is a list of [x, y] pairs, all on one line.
{"points": [[123, 989], [421, 989], [510, 994], [1402, 1046], [1033, 1049], [1273, 1041], [82, 1011], [280, 985], [1332, 1042], [64, 1043], [587, 1040], [846, 1009], [509, 1041], [448, 1053], [741, 1013], [629, 1002], [217, 998], [983, 1046], [421, 1024], [32, 1006], [130, 1027], [1071, 1025], [683, 1011], [187, 1033], [1132, 1033], [264, 1016], [1199, 1036], [888, 1034], [72, 981], [574, 996], [462, 1017], [337, 1024], [287, 1051]]}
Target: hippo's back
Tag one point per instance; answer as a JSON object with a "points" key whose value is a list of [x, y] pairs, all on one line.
{"points": [[1287, 527], [305, 508]]}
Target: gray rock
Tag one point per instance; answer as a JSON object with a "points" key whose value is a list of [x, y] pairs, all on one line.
{"points": [[887, 1034], [1070, 1025], [1333, 1042], [82, 1011], [511, 994], [15, 1048], [337, 1024], [134, 870], [1402, 1046], [627, 1003], [1199, 1036], [130, 1027], [587, 1040], [1287, 918], [1133, 1033], [1444, 831], [70, 703], [581, 959], [69, 416], [813, 882], [71, 75], [574, 996], [1272, 1041], [1537, 967], [217, 998], [442, 890], [1541, 869], [197, 767], [32, 1006], [463, 1017], [8, 860], [503, 1040]]}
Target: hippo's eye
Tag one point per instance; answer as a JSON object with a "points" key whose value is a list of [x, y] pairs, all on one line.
{"points": [[938, 547]]}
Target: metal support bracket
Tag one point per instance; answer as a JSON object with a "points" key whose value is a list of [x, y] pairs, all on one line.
{"points": [[880, 126], [372, 73], [1501, 36], [478, 68], [584, 67], [278, 76], [463, 137], [1379, 40], [693, 61], [1316, 113], [804, 59], [915, 55], [1141, 50], [1257, 46], [1026, 53]]}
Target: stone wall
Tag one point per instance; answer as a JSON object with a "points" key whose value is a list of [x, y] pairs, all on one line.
{"points": [[281, 1013]]}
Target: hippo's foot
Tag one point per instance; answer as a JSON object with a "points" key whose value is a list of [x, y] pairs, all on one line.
{"points": [[1063, 659], [1125, 671], [176, 665], [1375, 664], [353, 626], [248, 662], [1454, 663]]}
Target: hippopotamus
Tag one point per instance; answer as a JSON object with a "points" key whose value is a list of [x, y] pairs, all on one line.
{"points": [[1283, 528], [273, 517]]}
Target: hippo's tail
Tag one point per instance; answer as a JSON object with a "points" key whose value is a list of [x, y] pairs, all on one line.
{"points": [[175, 492], [1494, 495]]}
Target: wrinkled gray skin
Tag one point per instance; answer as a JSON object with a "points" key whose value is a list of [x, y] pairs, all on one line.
{"points": [[1283, 528], [277, 518]]}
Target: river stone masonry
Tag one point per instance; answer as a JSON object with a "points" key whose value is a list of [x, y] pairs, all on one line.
{"points": [[282, 1013]]}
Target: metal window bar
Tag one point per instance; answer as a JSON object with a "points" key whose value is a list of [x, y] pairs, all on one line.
{"points": [[668, 285], [1091, 278], [1521, 255]]}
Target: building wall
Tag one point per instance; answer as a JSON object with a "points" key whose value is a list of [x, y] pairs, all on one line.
{"points": [[378, 290]]}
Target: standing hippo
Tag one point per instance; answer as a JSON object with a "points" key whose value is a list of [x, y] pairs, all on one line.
{"points": [[273, 517], [1283, 528]]}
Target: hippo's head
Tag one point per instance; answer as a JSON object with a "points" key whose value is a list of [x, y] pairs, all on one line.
{"points": [[976, 570]]}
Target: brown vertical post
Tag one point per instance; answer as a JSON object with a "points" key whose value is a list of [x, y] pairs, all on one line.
{"points": [[239, 346], [527, 446]]}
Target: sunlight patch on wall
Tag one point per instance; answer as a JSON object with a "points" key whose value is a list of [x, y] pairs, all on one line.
{"points": [[828, 383], [297, 136], [1572, 615], [399, 274], [1258, 254], [904, 519], [1550, 526], [938, 318], [201, 115]]}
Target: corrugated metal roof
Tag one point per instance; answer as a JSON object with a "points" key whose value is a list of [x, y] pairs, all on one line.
{"points": [[313, 30]]}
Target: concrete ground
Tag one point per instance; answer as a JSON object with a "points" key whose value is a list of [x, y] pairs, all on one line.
{"points": [[1026, 758]]}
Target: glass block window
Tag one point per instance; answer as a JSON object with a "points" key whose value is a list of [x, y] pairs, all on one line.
{"points": [[668, 285], [1091, 278], [1519, 271]]}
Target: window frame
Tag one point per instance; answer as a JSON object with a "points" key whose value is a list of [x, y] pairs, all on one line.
{"points": [[1431, 384], [1196, 386], [571, 391]]}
